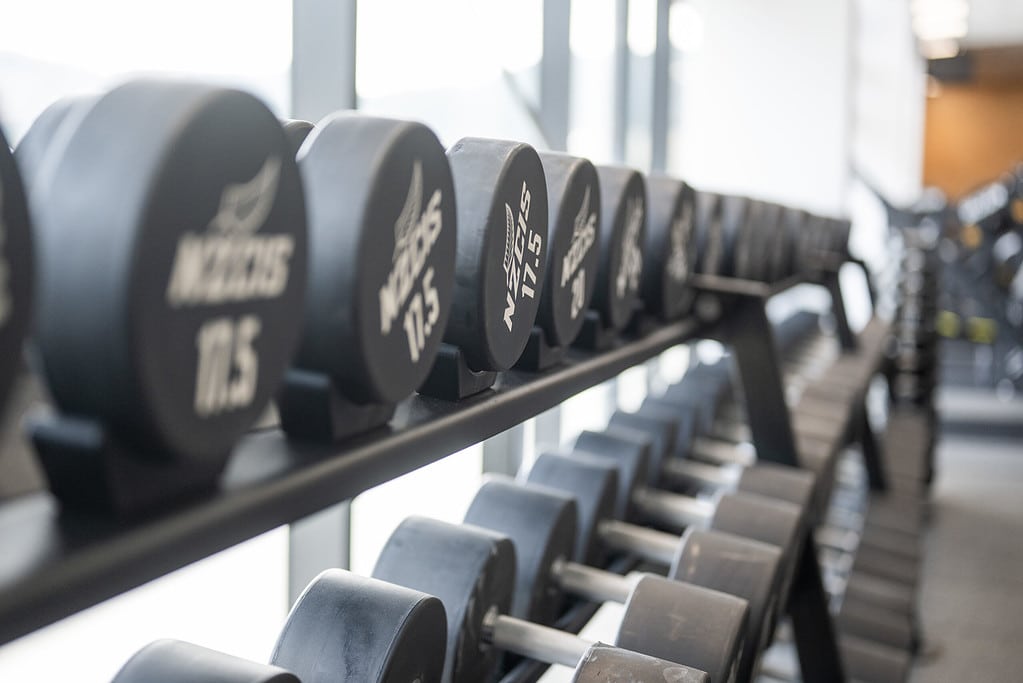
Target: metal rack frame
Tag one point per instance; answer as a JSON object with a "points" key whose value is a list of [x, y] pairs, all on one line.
{"points": [[54, 564]]}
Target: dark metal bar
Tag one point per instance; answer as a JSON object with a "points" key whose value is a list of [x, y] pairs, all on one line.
{"points": [[661, 90], [556, 72], [873, 455], [315, 543], [846, 337], [65, 563], [814, 632], [748, 331], [502, 453]]}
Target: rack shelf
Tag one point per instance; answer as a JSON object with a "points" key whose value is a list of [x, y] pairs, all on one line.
{"points": [[54, 565]]}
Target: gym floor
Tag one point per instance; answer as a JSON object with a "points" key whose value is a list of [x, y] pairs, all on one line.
{"points": [[971, 598]]}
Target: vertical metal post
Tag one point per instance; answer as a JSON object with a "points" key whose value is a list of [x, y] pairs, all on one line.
{"points": [[661, 90], [812, 627], [548, 430], [845, 334], [323, 57], [322, 81], [555, 72], [621, 76], [318, 542], [748, 331], [503, 453]]}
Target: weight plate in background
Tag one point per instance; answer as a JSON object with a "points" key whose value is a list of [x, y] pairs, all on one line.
{"points": [[623, 216], [573, 191], [670, 248]]}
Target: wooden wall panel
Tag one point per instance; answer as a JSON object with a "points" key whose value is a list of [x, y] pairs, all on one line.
{"points": [[973, 133]]}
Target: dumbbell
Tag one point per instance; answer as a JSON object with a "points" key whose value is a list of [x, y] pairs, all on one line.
{"points": [[160, 359], [751, 516], [871, 606], [869, 599], [342, 628], [623, 220], [669, 252], [881, 555], [574, 223], [176, 661], [472, 571], [382, 225], [720, 561], [543, 523], [500, 264]]}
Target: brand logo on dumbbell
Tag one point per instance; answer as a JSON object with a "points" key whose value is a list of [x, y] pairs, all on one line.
{"points": [[415, 233], [5, 291], [678, 267], [230, 262], [584, 234], [519, 273], [631, 265]]}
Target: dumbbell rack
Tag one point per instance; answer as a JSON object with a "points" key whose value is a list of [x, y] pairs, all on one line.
{"points": [[54, 565]]}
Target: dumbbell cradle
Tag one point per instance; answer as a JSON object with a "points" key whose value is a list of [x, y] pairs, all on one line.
{"points": [[472, 571]]}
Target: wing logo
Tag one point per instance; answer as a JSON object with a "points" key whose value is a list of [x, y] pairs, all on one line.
{"points": [[631, 264], [509, 240], [244, 207], [231, 261]]}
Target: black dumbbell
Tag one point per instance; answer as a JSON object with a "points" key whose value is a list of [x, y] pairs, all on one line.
{"points": [[623, 219], [573, 254], [895, 560], [747, 569], [669, 252], [176, 661], [752, 516], [500, 265], [883, 557], [472, 571], [543, 524], [755, 516], [380, 198], [172, 281], [867, 600]]}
